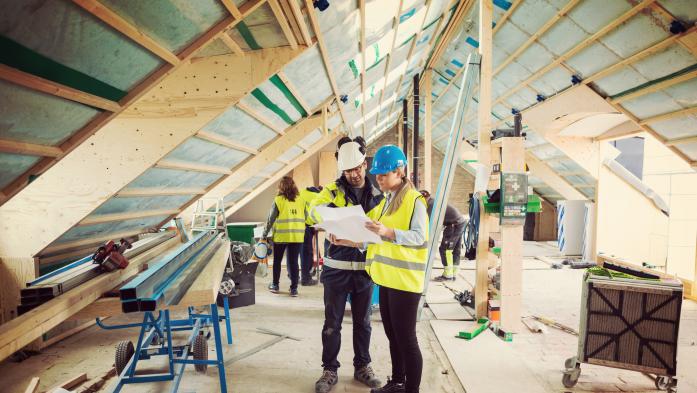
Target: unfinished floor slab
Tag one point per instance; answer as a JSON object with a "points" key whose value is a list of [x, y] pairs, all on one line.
{"points": [[534, 362]]}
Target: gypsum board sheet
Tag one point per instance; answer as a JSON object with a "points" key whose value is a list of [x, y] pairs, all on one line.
{"points": [[145, 284], [173, 291]]}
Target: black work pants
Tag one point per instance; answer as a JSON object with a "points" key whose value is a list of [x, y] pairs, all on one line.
{"points": [[456, 246], [334, 305], [306, 257], [398, 310], [291, 262]]}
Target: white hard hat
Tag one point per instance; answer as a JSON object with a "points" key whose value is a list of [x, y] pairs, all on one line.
{"points": [[350, 156]]}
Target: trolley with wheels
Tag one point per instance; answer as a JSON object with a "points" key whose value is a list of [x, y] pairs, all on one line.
{"points": [[628, 322], [156, 339]]}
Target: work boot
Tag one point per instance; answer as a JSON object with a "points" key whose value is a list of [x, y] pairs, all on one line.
{"points": [[390, 387], [273, 288], [443, 278], [294, 292], [326, 382], [366, 376], [308, 283]]}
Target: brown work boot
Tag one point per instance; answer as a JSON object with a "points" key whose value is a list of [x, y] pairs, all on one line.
{"points": [[326, 382], [366, 376]]}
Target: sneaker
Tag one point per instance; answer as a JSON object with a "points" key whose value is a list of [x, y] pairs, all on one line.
{"points": [[294, 293], [390, 387], [443, 278], [308, 283], [273, 288], [366, 376], [326, 382]]}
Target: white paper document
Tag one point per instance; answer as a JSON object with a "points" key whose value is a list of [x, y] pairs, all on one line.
{"points": [[347, 223]]}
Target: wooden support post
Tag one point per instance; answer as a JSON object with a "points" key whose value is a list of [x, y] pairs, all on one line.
{"points": [[14, 275], [484, 157], [428, 148], [694, 281], [512, 160]]}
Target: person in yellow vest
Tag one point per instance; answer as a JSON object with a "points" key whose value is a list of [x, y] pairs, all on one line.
{"points": [[287, 218], [453, 230], [308, 194], [398, 266]]}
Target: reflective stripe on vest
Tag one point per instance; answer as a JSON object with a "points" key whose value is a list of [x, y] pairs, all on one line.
{"points": [[397, 266], [344, 265], [289, 226]]}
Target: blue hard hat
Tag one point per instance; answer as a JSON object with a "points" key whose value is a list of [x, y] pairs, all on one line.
{"points": [[387, 159]]}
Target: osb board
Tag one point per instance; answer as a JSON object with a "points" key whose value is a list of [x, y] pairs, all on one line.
{"points": [[327, 167], [485, 364]]}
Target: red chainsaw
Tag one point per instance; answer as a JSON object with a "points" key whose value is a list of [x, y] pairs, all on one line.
{"points": [[110, 256]]}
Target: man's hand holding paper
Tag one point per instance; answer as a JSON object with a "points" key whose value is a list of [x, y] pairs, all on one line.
{"points": [[347, 223]]}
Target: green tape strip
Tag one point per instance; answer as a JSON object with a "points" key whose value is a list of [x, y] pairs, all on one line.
{"points": [[354, 69], [655, 81], [247, 36], [24, 59], [286, 92], [259, 95]]}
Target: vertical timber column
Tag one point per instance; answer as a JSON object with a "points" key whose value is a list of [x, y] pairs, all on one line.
{"points": [[415, 146], [405, 129], [512, 160], [484, 156], [427, 100]]}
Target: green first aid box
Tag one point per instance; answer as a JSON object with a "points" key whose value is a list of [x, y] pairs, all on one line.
{"points": [[245, 231]]}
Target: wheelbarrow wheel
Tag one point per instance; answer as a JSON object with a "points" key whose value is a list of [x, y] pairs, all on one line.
{"points": [[124, 352], [200, 352], [569, 380]]}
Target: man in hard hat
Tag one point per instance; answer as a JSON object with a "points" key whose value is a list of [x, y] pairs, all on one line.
{"points": [[308, 194], [344, 268], [453, 229]]}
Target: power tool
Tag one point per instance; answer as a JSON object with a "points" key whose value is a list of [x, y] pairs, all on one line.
{"points": [[110, 256]]}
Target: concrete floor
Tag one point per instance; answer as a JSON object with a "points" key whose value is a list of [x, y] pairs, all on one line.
{"points": [[531, 363]]}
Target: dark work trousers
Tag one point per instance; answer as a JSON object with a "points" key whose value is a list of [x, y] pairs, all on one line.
{"points": [[398, 311], [291, 262], [306, 257], [449, 245], [334, 306]]}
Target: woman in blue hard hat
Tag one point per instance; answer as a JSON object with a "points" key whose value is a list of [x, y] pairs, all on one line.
{"points": [[398, 265]]}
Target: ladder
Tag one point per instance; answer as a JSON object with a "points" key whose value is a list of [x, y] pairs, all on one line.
{"points": [[211, 218]]}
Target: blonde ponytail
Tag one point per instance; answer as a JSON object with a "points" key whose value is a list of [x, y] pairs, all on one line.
{"points": [[399, 195]]}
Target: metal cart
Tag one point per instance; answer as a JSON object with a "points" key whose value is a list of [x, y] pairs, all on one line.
{"points": [[630, 324]]}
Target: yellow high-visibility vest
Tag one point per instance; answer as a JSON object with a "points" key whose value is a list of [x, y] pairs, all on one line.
{"points": [[289, 226], [396, 266], [308, 196]]}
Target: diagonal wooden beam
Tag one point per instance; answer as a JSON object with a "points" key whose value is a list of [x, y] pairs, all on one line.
{"points": [[552, 179], [292, 21], [573, 51], [263, 120], [113, 19], [388, 62], [668, 116], [34, 82], [294, 91], [283, 22], [104, 218], [542, 30], [656, 87], [192, 166], [681, 141], [223, 141], [144, 126], [322, 142], [300, 20], [266, 156], [230, 43], [159, 191], [504, 18], [644, 53], [132, 97], [15, 147], [325, 59], [232, 8]]}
